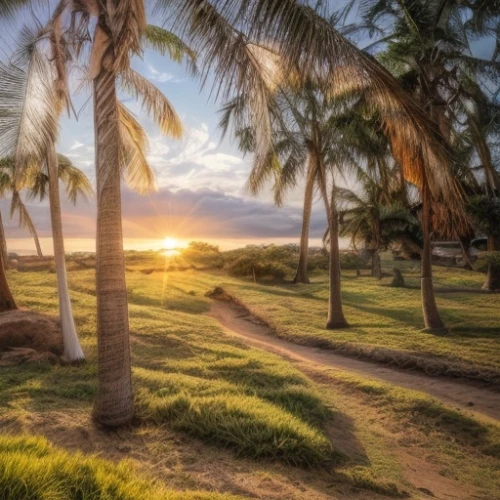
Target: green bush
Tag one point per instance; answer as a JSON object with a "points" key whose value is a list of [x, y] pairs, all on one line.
{"points": [[203, 254], [247, 266]]}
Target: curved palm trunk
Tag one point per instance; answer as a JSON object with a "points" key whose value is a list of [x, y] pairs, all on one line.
{"points": [[114, 405], [4, 256], [301, 276], [336, 319], [432, 319], [72, 349], [37, 245]]}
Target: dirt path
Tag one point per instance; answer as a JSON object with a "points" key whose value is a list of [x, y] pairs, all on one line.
{"points": [[463, 395]]}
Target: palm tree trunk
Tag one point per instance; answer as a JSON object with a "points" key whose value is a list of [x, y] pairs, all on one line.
{"points": [[7, 302], [114, 405], [376, 265], [432, 319], [492, 282], [72, 350], [37, 245], [301, 276], [4, 256], [336, 319]]}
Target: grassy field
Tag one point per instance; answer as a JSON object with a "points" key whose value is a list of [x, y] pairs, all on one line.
{"points": [[215, 415], [381, 316]]}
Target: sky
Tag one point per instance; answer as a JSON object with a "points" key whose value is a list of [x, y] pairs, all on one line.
{"points": [[201, 178]]}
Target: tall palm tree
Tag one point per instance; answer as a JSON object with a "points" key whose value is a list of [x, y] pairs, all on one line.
{"points": [[228, 35]]}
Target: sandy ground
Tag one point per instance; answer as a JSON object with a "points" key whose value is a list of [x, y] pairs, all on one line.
{"points": [[460, 394]]}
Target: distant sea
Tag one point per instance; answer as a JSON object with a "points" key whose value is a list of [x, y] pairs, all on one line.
{"points": [[25, 246]]}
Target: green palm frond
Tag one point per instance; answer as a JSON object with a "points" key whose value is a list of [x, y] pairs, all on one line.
{"points": [[74, 180], [166, 42]]}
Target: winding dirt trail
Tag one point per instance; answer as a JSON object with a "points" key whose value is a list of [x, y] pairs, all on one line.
{"points": [[461, 394]]}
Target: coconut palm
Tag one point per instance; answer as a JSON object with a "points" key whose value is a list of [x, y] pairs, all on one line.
{"points": [[427, 44], [231, 37], [375, 215]]}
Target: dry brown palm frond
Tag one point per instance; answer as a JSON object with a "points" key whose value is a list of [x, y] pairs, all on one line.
{"points": [[60, 55], [134, 144], [127, 23], [28, 114], [74, 180], [153, 101]]}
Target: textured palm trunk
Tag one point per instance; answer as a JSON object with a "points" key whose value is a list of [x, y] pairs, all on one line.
{"points": [[114, 405], [301, 276], [432, 318], [376, 265], [336, 319], [4, 256], [492, 282], [72, 350]]}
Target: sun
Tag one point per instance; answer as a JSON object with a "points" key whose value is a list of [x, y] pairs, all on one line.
{"points": [[170, 243]]}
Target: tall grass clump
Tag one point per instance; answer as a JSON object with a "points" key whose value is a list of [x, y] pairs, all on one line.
{"points": [[33, 469]]}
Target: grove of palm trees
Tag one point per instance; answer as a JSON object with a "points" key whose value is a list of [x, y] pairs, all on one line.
{"points": [[264, 249]]}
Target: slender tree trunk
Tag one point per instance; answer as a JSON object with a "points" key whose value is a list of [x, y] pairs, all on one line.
{"points": [[492, 282], [7, 302], [432, 319], [376, 265], [301, 276], [37, 245], [464, 248], [4, 256], [72, 350], [114, 405], [336, 319]]}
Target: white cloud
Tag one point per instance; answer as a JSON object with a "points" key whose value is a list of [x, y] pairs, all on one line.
{"points": [[161, 76], [76, 145]]}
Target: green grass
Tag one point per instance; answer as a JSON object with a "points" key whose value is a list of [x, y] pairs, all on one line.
{"points": [[384, 317], [33, 469], [192, 380]]}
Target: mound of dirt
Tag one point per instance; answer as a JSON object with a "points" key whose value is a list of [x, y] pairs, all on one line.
{"points": [[29, 336]]}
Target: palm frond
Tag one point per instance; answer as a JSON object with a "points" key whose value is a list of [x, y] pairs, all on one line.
{"points": [[134, 142], [28, 115], [74, 180], [166, 42], [25, 220], [153, 101]]}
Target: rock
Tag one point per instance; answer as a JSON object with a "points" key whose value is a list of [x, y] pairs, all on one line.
{"points": [[31, 330]]}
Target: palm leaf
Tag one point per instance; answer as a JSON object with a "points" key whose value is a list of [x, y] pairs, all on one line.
{"points": [[153, 101]]}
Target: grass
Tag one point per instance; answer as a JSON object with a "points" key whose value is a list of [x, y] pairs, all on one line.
{"points": [[384, 317], [32, 469], [200, 392]]}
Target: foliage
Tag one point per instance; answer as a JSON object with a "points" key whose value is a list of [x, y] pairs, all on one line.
{"points": [[486, 214], [204, 254]]}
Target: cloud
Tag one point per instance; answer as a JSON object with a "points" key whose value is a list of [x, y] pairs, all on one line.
{"points": [[162, 77], [186, 213]]}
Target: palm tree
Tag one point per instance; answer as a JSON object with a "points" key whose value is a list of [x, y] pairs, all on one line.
{"points": [[229, 35], [375, 216], [426, 44]]}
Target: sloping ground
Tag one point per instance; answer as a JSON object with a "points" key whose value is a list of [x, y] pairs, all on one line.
{"points": [[239, 321]]}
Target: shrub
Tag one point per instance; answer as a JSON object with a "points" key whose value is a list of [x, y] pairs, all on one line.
{"points": [[259, 268]]}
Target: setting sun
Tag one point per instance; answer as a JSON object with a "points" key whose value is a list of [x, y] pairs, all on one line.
{"points": [[170, 243]]}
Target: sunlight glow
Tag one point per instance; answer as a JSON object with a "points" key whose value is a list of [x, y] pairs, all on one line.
{"points": [[170, 243]]}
